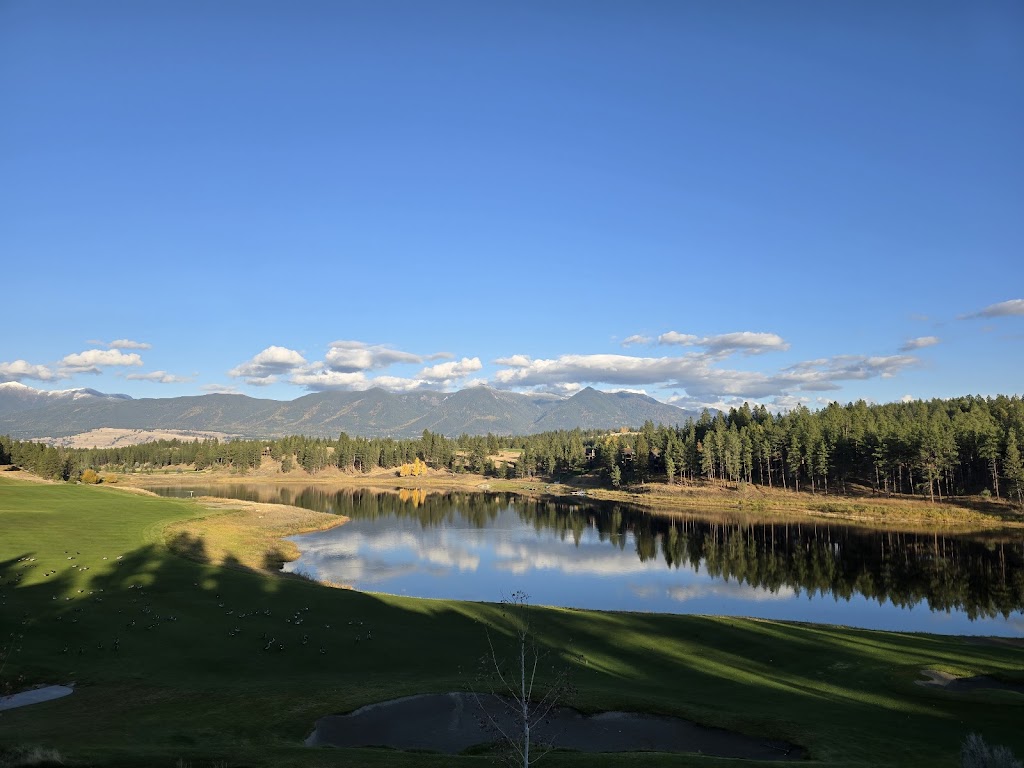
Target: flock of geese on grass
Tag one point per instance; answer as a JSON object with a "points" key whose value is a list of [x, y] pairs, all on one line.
{"points": [[139, 603]]}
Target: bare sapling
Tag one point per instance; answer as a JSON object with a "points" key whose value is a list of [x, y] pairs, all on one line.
{"points": [[518, 690]]}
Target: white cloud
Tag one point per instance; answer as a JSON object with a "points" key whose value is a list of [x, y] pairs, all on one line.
{"points": [[907, 399], [1002, 309], [747, 342], [91, 360], [352, 356], [682, 339], [919, 343], [514, 361], [272, 361], [558, 389], [322, 380], [636, 338], [729, 590], [563, 388], [160, 377], [543, 555], [18, 370], [456, 369], [783, 403], [696, 374], [611, 369], [129, 344], [395, 383], [692, 372], [698, 403], [810, 375], [218, 389]]}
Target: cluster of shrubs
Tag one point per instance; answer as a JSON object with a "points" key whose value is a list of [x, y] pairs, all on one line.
{"points": [[975, 753]]}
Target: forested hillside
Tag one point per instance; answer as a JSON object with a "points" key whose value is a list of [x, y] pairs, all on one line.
{"points": [[937, 448]]}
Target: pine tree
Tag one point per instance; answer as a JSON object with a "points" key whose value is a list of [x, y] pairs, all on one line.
{"points": [[641, 458], [1013, 467]]}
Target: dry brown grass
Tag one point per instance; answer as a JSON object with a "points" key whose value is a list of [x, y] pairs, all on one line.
{"points": [[332, 477], [14, 473], [859, 508], [111, 437], [244, 534], [903, 512]]}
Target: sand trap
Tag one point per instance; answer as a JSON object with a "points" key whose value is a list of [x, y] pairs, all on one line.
{"points": [[451, 723], [35, 696], [950, 682]]}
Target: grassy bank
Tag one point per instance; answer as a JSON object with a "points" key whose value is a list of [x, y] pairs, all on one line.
{"points": [[858, 509], [244, 534], [172, 662]]}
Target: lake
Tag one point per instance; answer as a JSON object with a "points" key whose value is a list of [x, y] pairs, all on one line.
{"points": [[583, 554]]}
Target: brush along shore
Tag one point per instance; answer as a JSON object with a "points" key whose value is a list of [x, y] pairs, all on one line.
{"points": [[860, 508]]}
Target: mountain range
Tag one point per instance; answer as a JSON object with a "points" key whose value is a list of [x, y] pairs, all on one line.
{"points": [[27, 413]]}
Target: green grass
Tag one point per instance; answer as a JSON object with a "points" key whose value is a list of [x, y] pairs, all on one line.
{"points": [[182, 687]]}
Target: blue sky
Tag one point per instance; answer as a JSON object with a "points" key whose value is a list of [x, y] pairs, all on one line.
{"points": [[710, 202]]}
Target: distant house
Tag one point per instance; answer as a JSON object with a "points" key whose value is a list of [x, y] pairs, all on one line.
{"points": [[266, 451], [590, 453], [627, 454]]}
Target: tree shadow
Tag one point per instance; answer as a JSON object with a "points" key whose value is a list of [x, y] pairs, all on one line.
{"points": [[191, 547], [186, 643]]}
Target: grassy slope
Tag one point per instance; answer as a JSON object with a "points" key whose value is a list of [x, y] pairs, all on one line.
{"points": [[187, 689]]}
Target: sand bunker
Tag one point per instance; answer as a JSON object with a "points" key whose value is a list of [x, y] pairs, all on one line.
{"points": [[950, 682], [451, 723]]}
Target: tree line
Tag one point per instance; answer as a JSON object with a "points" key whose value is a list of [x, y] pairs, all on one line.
{"points": [[936, 448]]}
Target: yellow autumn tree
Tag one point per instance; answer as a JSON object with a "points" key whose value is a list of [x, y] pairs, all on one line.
{"points": [[415, 469]]}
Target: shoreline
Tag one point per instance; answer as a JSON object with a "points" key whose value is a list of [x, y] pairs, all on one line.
{"points": [[724, 672], [755, 502], [246, 535]]}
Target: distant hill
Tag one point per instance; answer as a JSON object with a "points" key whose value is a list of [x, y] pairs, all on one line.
{"points": [[30, 413], [591, 409], [16, 397], [479, 410]]}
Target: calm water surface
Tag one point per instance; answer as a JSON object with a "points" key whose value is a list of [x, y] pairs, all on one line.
{"points": [[584, 554]]}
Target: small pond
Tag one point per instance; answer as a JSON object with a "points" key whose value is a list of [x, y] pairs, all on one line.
{"points": [[582, 554], [455, 722]]}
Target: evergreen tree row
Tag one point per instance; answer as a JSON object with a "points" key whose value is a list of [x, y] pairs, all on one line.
{"points": [[935, 448]]}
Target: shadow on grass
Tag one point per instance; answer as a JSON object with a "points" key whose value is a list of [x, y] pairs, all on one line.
{"points": [[233, 661]]}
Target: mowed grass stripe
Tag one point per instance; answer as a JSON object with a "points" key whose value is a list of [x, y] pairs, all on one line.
{"points": [[194, 676]]}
